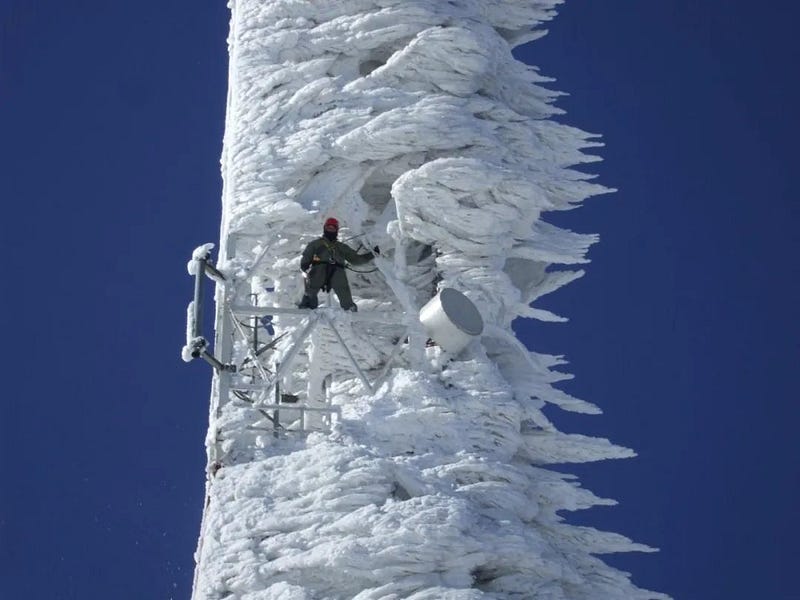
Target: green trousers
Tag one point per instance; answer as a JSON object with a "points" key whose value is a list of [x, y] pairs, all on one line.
{"points": [[331, 277]]}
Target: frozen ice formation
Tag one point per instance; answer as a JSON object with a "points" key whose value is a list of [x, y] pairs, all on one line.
{"points": [[411, 122]]}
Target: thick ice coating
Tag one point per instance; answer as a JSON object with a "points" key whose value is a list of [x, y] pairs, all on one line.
{"points": [[410, 122]]}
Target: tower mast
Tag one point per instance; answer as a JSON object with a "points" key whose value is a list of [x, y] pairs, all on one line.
{"points": [[400, 451]]}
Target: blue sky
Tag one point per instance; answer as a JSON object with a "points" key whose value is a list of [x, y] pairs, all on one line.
{"points": [[684, 329]]}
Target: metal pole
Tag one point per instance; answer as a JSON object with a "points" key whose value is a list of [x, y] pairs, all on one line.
{"points": [[198, 298], [359, 372], [389, 317], [276, 414], [289, 357], [395, 351], [250, 354], [219, 366], [212, 271]]}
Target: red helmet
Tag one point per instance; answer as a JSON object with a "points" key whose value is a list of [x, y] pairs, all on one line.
{"points": [[331, 223]]}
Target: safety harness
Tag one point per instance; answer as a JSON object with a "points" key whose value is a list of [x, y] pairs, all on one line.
{"points": [[330, 266]]}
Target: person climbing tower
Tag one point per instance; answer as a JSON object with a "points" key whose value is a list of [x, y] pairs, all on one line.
{"points": [[324, 262]]}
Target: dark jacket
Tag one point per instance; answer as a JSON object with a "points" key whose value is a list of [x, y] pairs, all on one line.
{"points": [[322, 251]]}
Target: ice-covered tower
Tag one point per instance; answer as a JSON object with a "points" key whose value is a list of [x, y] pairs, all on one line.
{"points": [[378, 454]]}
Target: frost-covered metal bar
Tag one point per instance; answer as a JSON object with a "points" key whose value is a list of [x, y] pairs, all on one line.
{"points": [[198, 298], [401, 340], [262, 311], [353, 360], [301, 411], [217, 364]]}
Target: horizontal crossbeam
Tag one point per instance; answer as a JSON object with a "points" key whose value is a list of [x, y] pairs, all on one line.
{"points": [[261, 311]]}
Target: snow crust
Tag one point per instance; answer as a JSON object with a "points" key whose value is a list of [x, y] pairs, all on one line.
{"points": [[410, 122], [198, 254]]}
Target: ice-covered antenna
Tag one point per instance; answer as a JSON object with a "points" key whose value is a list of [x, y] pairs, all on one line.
{"points": [[196, 344]]}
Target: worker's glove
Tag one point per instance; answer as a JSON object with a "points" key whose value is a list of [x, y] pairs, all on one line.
{"points": [[376, 250]]}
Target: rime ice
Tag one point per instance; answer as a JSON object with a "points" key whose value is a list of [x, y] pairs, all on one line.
{"points": [[410, 122]]}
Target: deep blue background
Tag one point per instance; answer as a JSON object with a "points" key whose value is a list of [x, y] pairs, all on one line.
{"points": [[684, 329]]}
